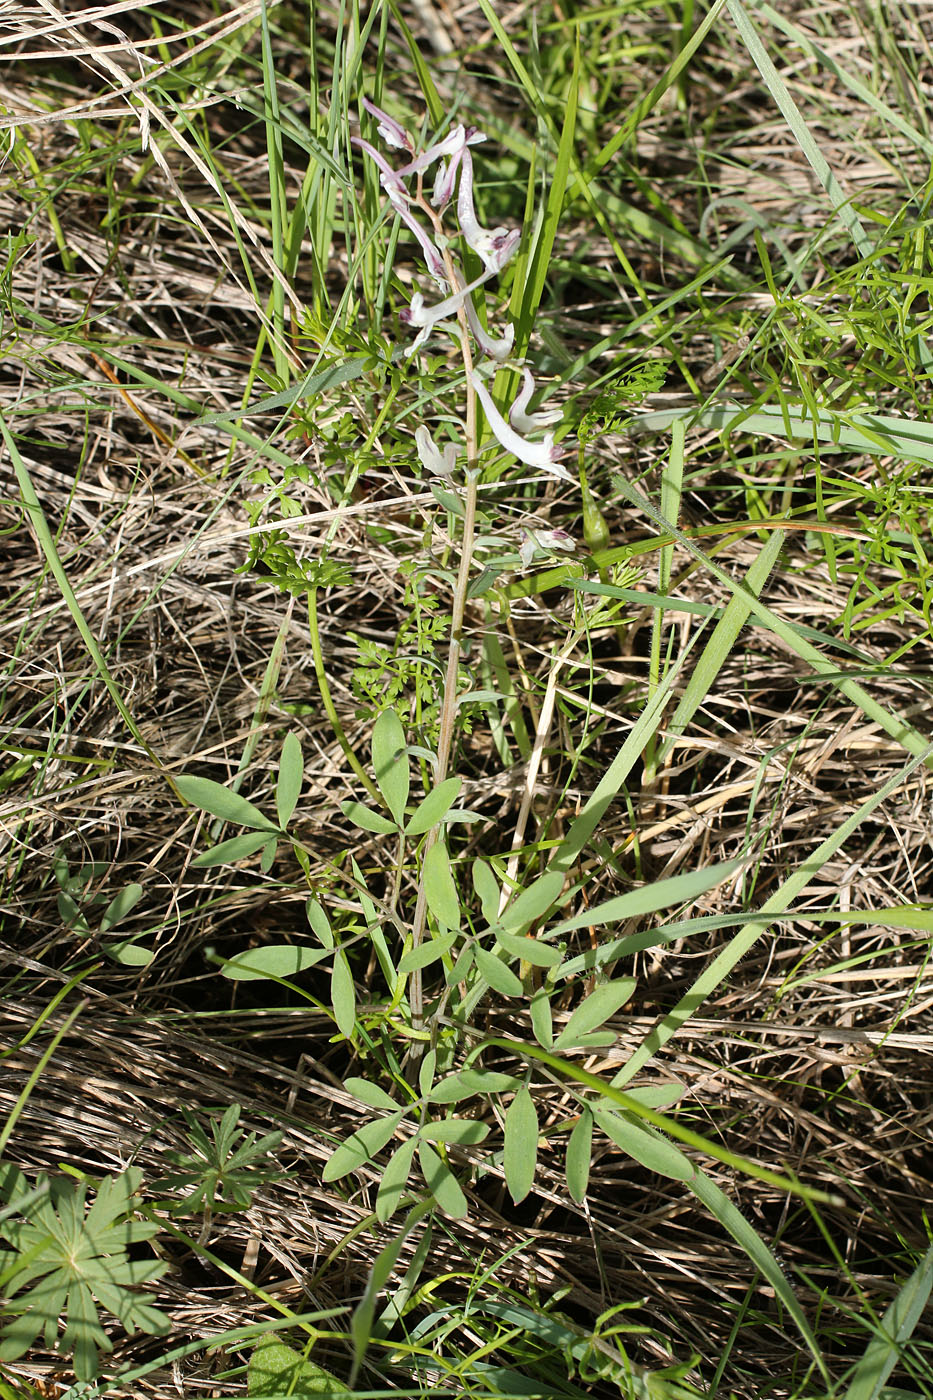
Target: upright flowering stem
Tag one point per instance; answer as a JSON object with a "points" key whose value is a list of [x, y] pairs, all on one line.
{"points": [[452, 670]]}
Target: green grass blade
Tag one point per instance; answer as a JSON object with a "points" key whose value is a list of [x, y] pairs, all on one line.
{"points": [[897, 1325], [789, 110]]}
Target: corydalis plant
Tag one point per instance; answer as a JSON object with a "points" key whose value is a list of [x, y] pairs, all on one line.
{"points": [[456, 311]]}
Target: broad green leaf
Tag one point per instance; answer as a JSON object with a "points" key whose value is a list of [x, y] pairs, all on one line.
{"points": [[365, 818], [274, 960], [221, 802], [343, 995], [487, 887], [434, 807], [461, 967], [443, 1185], [645, 1146], [886, 1346], [121, 905], [533, 903], [541, 1019], [579, 1156], [468, 1082], [494, 971], [319, 922], [361, 1146], [373, 1095], [427, 952], [538, 954], [395, 1179], [520, 1157], [291, 776], [390, 763], [277, 1370], [604, 1001], [130, 954], [229, 852], [267, 860], [465, 1131], [439, 888]]}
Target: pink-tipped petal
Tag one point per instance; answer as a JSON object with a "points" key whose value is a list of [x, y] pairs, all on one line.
{"points": [[391, 131], [544, 455]]}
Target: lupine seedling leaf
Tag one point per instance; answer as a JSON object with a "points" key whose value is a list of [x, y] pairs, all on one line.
{"points": [[443, 1185], [275, 960], [368, 820], [229, 852], [521, 1145], [361, 1146], [494, 971], [434, 808], [68, 1259], [395, 1179], [121, 905], [390, 763], [291, 776], [343, 995], [221, 802], [579, 1154], [439, 887], [604, 1001], [646, 1146], [220, 1171]]}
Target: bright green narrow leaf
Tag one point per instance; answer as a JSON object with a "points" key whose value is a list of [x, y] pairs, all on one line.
{"points": [[579, 1155], [291, 776], [521, 1145], [395, 1179], [368, 820], [494, 971], [604, 1001], [647, 899], [521, 946], [426, 953], [487, 887], [343, 994], [361, 1146], [461, 967], [390, 763], [275, 960], [426, 1072], [886, 1346], [542, 1021], [653, 1151], [267, 860], [443, 1185], [439, 888], [319, 922], [434, 808], [473, 1081], [534, 902], [277, 1370], [130, 954], [221, 802], [229, 852], [121, 905], [365, 1091], [465, 1131]]}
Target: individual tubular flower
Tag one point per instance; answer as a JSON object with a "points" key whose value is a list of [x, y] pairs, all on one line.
{"points": [[547, 540], [398, 198], [429, 318], [544, 455], [497, 349], [391, 131], [438, 463], [495, 246], [524, 422]]}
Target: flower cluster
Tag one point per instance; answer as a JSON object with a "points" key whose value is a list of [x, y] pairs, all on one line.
{"points": [[454, 176]]}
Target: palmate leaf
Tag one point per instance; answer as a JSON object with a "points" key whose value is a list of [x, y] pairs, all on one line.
{"points": [[67, 1260]]}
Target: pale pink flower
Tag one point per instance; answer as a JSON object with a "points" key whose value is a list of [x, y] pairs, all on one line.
{"points": [[544, 455]]}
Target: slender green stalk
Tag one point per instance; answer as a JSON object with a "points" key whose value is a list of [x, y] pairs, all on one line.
{"points": [[328, 701]]}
